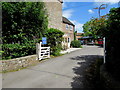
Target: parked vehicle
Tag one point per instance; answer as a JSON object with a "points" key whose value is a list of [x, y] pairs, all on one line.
{"points": [[100, 42], [90, 43]]}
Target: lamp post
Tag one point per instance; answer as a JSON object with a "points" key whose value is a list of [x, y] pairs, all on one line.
{"points": [[99, 8]]}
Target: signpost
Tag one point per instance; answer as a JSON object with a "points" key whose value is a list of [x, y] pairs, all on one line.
{"points": [[44, 40]]}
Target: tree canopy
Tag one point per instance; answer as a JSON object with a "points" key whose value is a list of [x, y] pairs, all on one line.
{"points": [[23, 21], [23, 25], [95, 27]]}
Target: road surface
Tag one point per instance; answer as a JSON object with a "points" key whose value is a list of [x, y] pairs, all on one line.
{"points": [[60, 72]]}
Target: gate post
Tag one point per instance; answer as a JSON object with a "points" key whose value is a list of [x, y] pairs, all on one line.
{"points": [[40, 51], [37, 51], [104, 50], [49, 53]]}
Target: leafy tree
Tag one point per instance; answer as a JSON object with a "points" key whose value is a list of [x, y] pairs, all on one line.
{"points": [[113, 42], [95, 27], [54, 40], [23, 24], [23, 21]]}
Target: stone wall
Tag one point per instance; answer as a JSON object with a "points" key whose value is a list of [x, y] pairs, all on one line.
{"points": [[54, 11], [18, 63]]}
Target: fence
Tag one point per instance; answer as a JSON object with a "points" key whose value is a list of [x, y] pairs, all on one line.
{"points": [[42, 52]]}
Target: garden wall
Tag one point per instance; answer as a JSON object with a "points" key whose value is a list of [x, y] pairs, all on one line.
{"points": [[18, 63]]}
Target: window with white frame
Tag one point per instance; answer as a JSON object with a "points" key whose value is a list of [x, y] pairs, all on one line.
{"points": [[71, 27], [67, 26]]}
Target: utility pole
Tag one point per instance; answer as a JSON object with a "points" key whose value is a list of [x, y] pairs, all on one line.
{"points": [[99, 8]]}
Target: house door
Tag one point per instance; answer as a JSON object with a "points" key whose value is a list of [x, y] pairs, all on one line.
{"points": [[69, 42]]}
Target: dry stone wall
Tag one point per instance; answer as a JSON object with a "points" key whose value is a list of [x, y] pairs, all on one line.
{"points": [[18, 63]]}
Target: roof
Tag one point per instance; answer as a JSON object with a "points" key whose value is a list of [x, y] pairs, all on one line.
{"points": [[65, 20], [85, 37], [79, 34], [61, 1]]}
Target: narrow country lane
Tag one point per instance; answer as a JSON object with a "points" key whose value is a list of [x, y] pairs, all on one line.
{"points": [[59, 72]]}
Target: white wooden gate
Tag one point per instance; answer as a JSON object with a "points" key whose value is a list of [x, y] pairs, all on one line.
{"points": [[42, 52]]}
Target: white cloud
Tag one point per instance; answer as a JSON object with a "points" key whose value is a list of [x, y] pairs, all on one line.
{"points": [[78, 26], [90, 11], [67, 13]]}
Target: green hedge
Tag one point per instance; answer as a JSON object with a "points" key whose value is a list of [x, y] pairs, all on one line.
{"points": [[75, 44], [10, 51]]}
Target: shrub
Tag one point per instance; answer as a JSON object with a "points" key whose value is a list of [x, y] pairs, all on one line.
{"points": [[10, 51], [54, 40], [113, 42], [75, 44]]}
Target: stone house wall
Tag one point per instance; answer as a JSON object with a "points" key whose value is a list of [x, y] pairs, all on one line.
{"points": [[54, 11], [68, 34]]}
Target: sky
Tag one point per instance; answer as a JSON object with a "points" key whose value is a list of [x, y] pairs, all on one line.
{"points": [[79, 12]]}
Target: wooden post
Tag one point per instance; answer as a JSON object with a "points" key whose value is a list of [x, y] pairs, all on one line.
{"points": [[40, 51], [49, 53]]}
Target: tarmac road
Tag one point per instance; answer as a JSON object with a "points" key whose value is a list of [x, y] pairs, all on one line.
{"points": [[59, 72]]}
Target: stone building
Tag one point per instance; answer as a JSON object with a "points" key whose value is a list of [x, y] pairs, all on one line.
{"points": [[55, 20], [68, 29], [54, 11]]}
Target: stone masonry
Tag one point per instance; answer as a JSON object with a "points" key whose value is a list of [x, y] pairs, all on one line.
{"points": [[54, 11], [18, 63]]}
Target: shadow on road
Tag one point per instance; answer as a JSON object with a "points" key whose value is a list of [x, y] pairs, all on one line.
{"points": [[84, 62]]}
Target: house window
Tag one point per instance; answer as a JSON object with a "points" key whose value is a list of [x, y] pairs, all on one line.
{"points": [[67, 26], [71, 27]]}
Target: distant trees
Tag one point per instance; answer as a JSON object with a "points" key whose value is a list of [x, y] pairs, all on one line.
{"points": [[95, 27]]}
